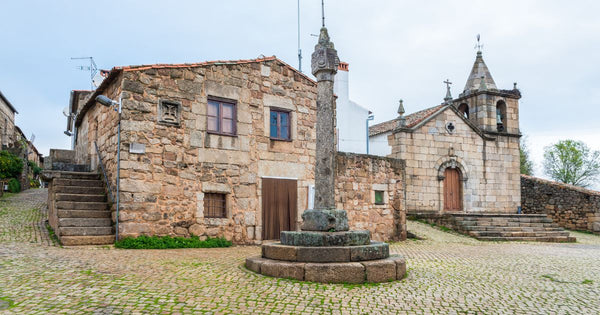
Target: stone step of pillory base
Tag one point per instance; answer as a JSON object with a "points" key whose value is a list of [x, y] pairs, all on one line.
{"points": [[314, 238], [373, 251], [325, 220], [381, 270]]}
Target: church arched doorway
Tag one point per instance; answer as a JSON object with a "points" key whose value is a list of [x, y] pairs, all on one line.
{"points": [[452, 190]]}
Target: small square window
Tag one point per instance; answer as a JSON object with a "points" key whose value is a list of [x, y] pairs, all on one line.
{"points": [[280, 125], [221, 117], [215, 205], [379, 197]]}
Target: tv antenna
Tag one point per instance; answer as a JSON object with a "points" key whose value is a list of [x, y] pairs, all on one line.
{"points": [[323, 12], [299, 49], [92, 68]]}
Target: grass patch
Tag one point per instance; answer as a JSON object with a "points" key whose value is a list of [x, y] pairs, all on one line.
{"points": [[587, 281], [7, 194], [168, 242], [6, 303], [52, 234]]}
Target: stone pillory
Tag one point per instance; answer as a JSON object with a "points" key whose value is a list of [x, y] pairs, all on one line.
{"points": [[325, 250]]}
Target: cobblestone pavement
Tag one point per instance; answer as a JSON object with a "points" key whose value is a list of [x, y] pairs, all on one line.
{"points": [[448, 273]]}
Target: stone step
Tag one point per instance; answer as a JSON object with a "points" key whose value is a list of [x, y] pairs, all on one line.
{"points": [[559, 239], [81, 197], [70, 167], [89, 230], [518, 234], [80, 175], [84, 213], [511, 228], [84, 222], [87, 240], [78, 182], [80, 190], [70, 205]]}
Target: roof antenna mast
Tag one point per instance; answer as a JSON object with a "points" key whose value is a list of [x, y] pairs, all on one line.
{"points": [[323, 11], [299, 49]]}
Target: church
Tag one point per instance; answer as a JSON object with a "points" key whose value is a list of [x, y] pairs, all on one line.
{"points": [[461, 155]]}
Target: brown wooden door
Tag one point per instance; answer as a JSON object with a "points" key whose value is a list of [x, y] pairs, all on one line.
{"points": [[452, 190], [279, 206]]}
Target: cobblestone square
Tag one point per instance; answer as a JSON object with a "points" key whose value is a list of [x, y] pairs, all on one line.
{"points": [[447, 274]]}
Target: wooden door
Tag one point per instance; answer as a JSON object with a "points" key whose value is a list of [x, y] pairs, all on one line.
{"points": [[279, 206], [452, 190]]}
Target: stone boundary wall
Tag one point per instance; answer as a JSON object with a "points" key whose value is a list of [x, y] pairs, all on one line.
{"points": [[358, 176], [569, 206]]}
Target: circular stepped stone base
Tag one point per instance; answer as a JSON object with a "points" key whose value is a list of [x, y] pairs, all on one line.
{"points": [[316, 238], [323, 254], [380, 270]]}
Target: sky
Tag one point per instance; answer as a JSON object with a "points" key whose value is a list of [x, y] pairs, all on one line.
{"points": [[396, 50]]}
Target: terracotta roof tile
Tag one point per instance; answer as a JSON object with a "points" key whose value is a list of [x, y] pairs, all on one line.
{"points": [[411, 120]]}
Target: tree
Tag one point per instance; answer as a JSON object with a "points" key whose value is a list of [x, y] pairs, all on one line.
{"points": [[572, 162], [526, 163], [10, 165]]}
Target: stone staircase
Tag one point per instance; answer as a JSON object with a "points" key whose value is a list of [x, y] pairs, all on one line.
{"points": [[500, 227], [82, 213], [511, 227]]}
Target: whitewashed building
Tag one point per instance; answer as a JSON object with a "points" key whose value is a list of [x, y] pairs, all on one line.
{"points": [[351, 122]]}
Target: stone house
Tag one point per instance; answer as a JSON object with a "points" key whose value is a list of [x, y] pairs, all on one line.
{"points": [[7, 121], [224, 148], [462, 155]]}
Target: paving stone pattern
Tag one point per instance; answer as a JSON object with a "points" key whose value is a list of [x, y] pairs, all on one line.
{"points": [[22, 217], [447, 273]]}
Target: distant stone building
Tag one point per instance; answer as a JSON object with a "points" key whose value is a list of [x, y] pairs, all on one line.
{"points": [[221, 148], [462, 155], [7, 122]]}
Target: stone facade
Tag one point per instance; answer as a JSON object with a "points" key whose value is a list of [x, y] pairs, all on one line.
{"points": [[571, 207], [7, 122], [358, 179], [167, 166], [489, 165]]}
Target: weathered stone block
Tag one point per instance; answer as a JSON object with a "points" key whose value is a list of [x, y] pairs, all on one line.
{"points": [[303, 238], [323, 254], [325, 220], [380, 270], [369, 252], [335, 272], [254, 263], [282, 269], [279, 252], [400, 266]]}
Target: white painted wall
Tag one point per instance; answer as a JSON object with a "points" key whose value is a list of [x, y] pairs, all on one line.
{"points": [[378, 145], [351, 118]]}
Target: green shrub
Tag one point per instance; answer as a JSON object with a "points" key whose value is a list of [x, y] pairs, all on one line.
{"points": [[34, 183], [36, 169], [14, 186], [165, 242], [10, 165]]}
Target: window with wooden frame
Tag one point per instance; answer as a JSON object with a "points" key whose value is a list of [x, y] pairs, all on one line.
{"points": [[221, 117], [215, 205], [280, 125]]}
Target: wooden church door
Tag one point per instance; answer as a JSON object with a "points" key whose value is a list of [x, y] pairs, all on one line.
{"points": [[279, 206], [452, 190]]}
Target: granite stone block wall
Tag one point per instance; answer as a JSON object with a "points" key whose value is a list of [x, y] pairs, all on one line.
{"points": [[569, 206], [358, 178]]}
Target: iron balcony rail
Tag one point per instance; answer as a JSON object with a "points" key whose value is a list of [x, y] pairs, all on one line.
{"points": [[103, 172]]}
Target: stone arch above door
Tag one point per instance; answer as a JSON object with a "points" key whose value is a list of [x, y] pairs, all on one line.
{"points": [[451, 162]]}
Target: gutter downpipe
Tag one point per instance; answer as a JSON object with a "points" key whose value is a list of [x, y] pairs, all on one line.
{"points": [[118, 167]]}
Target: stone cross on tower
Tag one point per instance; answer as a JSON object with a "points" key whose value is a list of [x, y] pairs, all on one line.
{"points": [[448, 97]]}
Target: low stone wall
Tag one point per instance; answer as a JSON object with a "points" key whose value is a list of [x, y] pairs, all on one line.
{"points": [[571, 207], [358, 177]]}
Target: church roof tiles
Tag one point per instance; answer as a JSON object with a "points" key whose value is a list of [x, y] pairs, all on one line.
{"points": [[411, 121]]}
